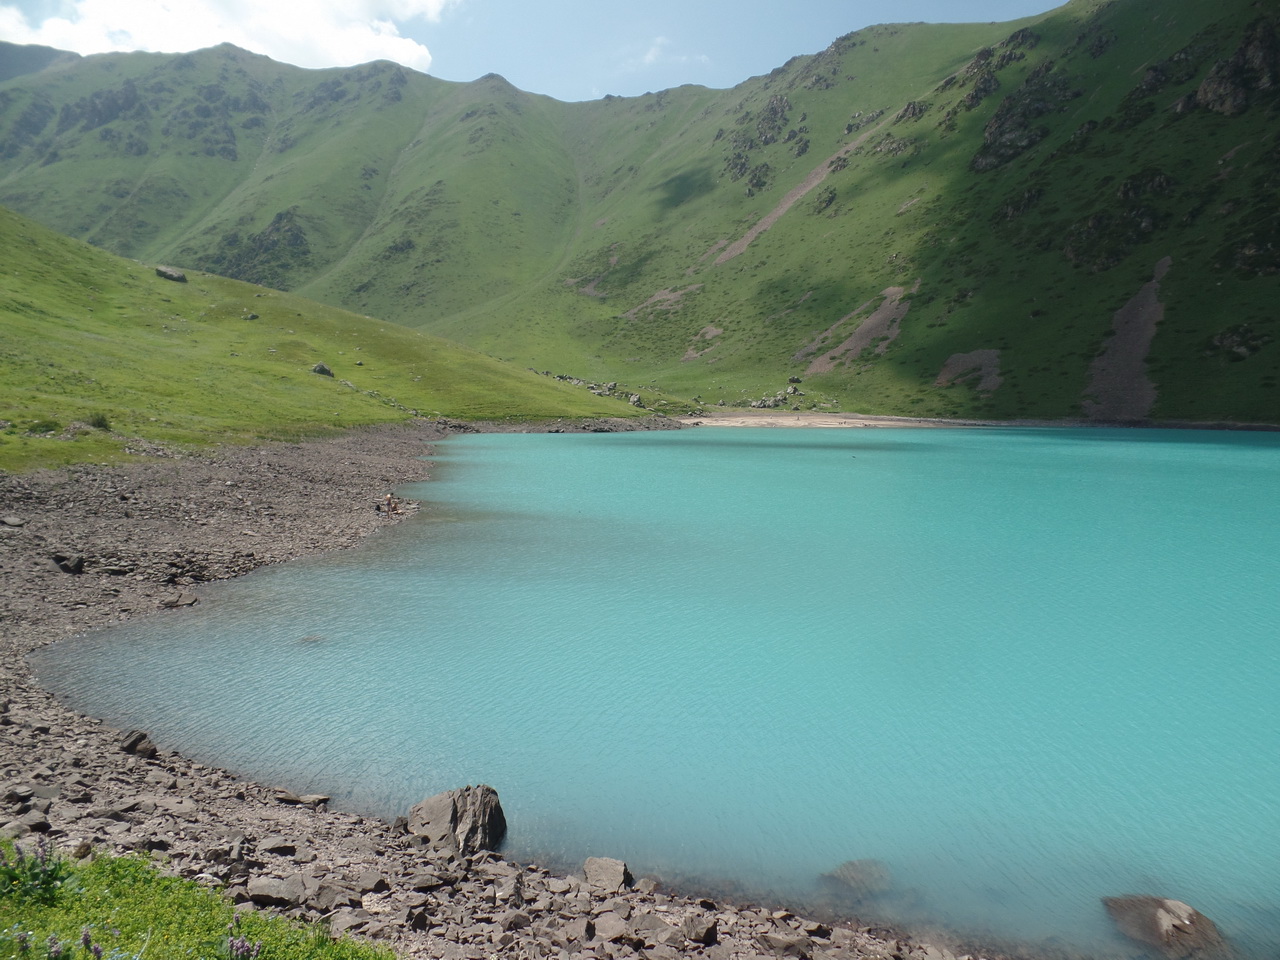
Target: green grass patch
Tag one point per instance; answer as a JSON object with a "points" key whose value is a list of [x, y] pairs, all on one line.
{"points": [[100, 352], [123, 908]]}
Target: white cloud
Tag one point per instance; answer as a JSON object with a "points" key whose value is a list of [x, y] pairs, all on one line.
{"points": [[658, 53], [654, 53], [324, 33]]}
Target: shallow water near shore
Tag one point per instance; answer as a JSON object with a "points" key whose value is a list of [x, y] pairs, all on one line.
{"points": [[1023, 668]]}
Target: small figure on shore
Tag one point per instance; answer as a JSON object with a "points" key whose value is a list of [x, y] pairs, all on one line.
{"points": [[389, 505]]}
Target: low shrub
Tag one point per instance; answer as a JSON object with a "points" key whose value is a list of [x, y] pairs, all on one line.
{"points": [[35, 877]]}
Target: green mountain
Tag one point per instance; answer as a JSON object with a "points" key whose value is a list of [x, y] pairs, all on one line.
{"points": [[1069, 215], [15, 60], [102, 355]]}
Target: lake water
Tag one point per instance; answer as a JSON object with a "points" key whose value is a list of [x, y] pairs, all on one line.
{"points": [[1023, 668]]}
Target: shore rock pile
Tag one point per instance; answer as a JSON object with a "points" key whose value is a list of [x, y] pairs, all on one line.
{"points": [[90, 788]]}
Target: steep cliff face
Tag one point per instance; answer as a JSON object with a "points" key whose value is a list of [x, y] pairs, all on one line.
{"points": [[1252, 70]]}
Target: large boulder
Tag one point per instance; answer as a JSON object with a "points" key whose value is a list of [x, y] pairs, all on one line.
{"points": [[139, 744], [277, 891], [1175, 928], [607, 874], [460, 821]]}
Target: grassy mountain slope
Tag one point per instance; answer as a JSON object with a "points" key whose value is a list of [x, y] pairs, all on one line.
{"points": [[90, 338], [940, 220], [17, 59]]}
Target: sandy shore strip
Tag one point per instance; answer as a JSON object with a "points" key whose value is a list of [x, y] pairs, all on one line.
{"points": [[742, 417], [92, 545], [814, 418], [808, 418]]}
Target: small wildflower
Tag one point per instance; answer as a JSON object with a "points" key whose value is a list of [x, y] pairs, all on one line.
{"points": [[54, 947], [241, 949], [86, 938]]}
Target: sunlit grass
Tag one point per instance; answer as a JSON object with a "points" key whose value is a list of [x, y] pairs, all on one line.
{"points": [[90, 337], [124, 908]]}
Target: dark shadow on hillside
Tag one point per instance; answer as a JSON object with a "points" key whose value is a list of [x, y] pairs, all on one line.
{"points": [[683, 187]]}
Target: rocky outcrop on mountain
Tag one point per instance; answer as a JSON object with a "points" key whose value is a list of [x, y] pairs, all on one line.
{"points": [[1173, 927], [268, 257], [1254, 67], [1012, 130], [914, 110]]}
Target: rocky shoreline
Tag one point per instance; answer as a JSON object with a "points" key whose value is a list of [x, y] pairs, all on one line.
{"points": [[93, 545]]}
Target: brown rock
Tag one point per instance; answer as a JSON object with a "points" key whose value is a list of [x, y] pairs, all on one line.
{"points": [[347, 921], [786, 944], [276, 891], [610, 926], [68, 563], [330, 896], [656, 931], [462, 821], [139, 744], [371, 881], [607, 874], [579, 929], [701, 930]]}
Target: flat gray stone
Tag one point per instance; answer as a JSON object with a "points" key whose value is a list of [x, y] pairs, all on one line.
{"points": [[607, 874], [610, 926], [277, 891]]}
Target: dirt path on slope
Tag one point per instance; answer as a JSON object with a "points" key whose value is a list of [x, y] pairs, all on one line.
{"points": [[795, 195]]}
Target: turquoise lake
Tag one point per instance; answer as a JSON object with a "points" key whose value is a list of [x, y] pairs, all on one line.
{"points": [[1024, 668]]}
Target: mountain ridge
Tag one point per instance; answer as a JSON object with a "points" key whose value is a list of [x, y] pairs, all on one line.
{"points": [[1017, 184]]}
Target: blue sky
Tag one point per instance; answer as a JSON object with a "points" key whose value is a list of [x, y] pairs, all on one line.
{"points": [[568, 49]]}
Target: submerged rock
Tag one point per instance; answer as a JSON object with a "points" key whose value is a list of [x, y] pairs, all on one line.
{"points": [[860, 879], [1177, 929]]}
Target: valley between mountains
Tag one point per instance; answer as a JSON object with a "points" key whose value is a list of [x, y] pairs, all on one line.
{"points": [[1072, 215]]}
